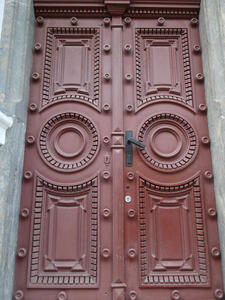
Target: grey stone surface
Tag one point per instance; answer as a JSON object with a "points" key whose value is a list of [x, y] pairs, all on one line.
{"points": [[15, 64], [212, 32]]}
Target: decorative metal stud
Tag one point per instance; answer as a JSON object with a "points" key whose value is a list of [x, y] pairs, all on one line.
{"points": [[106, 47], [28, 175], [127, 48], [199, 76], [35, 76], [22, 252], [30, 139], [212, 212], [215, 252], [197, 48], [37, 47], [106, 21], [24, 213], [131, 213], [106, 140], [62, 295], [205, 140], [129, 108], [175, 295], [106, 175], [133, 295], [19, 295], [208, 175], [106, 253], [33, 107], [194, 21], [73, 21], [161, 21], [40, 20], [106, 107], [128, 77], [106, 213], [202, 107], [130, 176], [127, 21], [219, 294], [132, 253], [107, 76]]}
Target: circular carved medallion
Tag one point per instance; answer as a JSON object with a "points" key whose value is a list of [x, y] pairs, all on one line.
{"points": [[68, 142], [171, 142]]}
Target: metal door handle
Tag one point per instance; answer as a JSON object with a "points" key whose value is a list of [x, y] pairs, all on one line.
{"points": [[129, 147]]}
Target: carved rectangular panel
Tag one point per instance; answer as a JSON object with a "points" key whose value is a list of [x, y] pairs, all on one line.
{"points": [[72, 65], [64, 235], [172, 235], [168, 48]]}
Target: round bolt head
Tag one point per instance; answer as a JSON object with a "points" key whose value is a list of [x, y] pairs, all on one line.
{"points": [[205, 140], [33, 107], [131, 213], [37, 47], [106, 213], [175, 295], [105, 139], [24, 212], [28, 175], [73, 21], [106, 107], [129, 108], [199, 76], [22, 252], [106, 175], [202, 107], [106, 253], [35, 76], [127, 21], [107, 76], [106, 47], [132, 253], [161, 21], [212, 212], [30, 139], [208, 175], [133, 295], [197, 48], [130, 176], [40, 20], [215, 252], [62, 296], [19, 295], [128, 77], [219, 294], [194, 21], [127, 48], [106, 21]]}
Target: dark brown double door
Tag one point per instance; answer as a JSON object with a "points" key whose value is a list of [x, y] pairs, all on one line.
{"points": [[92, 227]]}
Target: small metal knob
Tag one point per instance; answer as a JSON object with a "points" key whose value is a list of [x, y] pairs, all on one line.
{"points": [[74, 21], [19, 295], [208, 175], [106, 140], [127, 48], [202, 107], [161, 21], [215, 252], [106, 107], [40, 20], [106, 47], [175, 295], [107, 76], [37, 47], [197, 48], [130, 176], [219, 294], [33, 107], [129, 108], [133, 295], [132, 253], [127, 21], [106, 213], [35, 76], [30, 139], [199, 76], [128, 77], [194, 21], [212, 212], [106, 175], [22, 252], [28, 175], [106, 21], [24, 213], [131, 213], [205, 140]]}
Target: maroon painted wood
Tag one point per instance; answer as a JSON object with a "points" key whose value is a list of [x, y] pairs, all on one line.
{"points": [[90, 227]]}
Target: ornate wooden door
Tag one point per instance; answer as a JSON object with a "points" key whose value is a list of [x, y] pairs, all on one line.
{"points": [[100, 217]]}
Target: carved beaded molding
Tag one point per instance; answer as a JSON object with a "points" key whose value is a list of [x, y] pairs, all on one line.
{"points": [[85, 271], [81, 126], [184, 133], [197, 274], [175, 33], [86, 33]]}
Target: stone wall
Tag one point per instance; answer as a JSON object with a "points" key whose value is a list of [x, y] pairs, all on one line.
{"points": [[15, 63]]}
